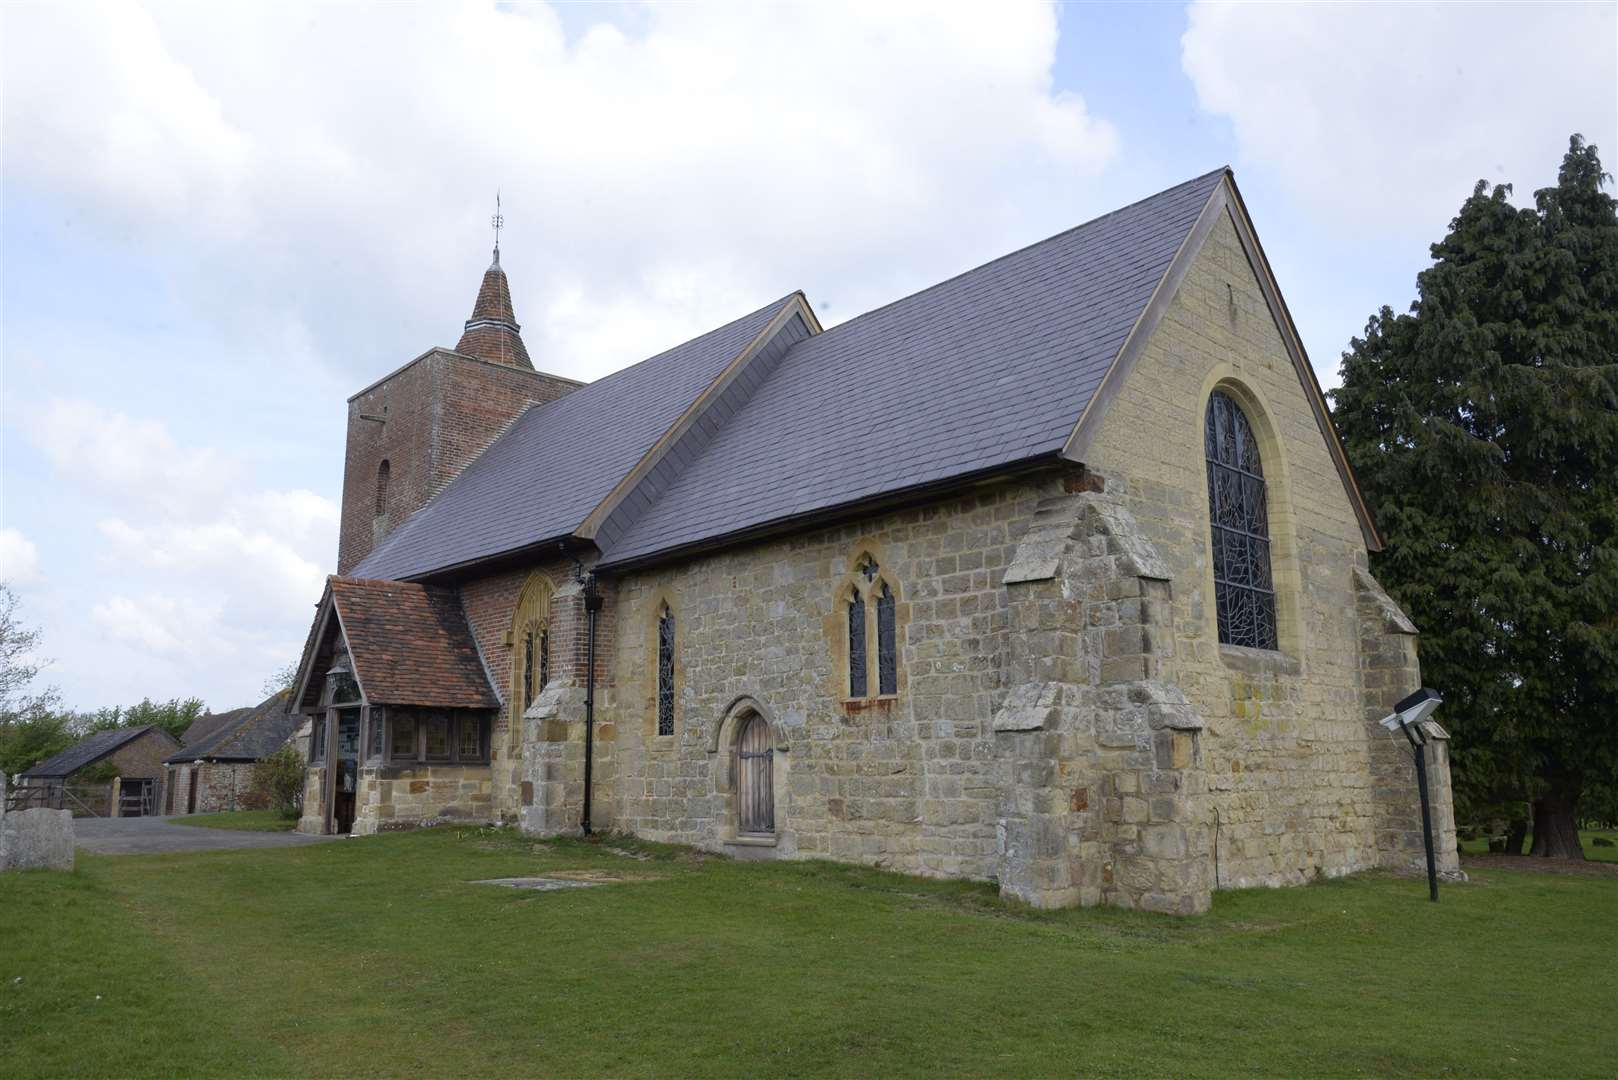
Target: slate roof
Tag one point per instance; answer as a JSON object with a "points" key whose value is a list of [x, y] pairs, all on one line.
{"points": [[544, 476], [208, 724], [87, 752], [248, 734], [987, 369], [411, 644]]}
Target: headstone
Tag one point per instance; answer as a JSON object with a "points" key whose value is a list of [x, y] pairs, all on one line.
{"points": [[36, 839]]}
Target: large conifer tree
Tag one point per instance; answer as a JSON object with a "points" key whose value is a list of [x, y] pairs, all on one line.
{"points": [[1484, 428]]}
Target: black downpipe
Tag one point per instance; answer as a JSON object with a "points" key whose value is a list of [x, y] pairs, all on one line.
{"points": [[1418, 747], [592, 604]]}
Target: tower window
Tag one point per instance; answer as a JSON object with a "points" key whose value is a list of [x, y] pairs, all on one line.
{"points": [[383, 472]]}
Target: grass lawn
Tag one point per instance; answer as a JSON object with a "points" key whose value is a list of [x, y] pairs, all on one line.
{"points": [[376, 956], [1587, 840], [243, 820]]}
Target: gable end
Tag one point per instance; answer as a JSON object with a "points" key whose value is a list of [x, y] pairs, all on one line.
{"points": [[1226, 198]]}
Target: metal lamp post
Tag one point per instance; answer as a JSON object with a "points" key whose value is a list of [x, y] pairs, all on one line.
{"points": [[1408, 716]]}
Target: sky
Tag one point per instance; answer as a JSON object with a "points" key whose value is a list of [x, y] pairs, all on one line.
{"points": [[218, 221]]}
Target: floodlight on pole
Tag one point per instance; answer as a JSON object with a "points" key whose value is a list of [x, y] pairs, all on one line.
{"points": [[1410, 716]]}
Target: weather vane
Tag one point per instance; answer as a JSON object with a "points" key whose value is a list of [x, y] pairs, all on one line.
{"points": [[497, 220]]}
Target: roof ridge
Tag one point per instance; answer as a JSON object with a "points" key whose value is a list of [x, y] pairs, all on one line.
{"points": [[1098, 219], [772, 306]]}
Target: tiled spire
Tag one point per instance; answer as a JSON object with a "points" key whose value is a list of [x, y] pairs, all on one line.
{"points": [[492, 332]]}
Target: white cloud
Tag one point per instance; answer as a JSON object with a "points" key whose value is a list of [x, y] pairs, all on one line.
{"points": [[19, 560], [228, 572], [161, 625], [263, 143], [129, 459], [1380, 117]]}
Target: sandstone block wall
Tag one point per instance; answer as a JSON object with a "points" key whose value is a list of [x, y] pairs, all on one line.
{"points": [[404, 797], [1288, 754]]}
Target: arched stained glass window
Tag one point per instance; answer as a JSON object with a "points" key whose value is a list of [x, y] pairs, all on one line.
{"points": [[665, 672], [1244, 591]]}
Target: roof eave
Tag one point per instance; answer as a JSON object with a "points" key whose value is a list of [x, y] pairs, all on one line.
{"points": [[824, 517]]}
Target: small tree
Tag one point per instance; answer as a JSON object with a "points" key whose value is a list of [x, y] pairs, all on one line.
{"points": [[278, 781], [282, 679], [1484, 425], [31, 727]]}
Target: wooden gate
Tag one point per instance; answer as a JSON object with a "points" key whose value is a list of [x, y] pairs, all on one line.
{"points": [[755, 778]]}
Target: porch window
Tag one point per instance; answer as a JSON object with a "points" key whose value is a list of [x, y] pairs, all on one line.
{"points": [[373, 735], [469, 739], [437, 748], [438, 738], [317, 741], [403, 746]]}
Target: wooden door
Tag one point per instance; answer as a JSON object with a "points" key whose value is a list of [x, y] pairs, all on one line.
{"points": [[755, 778]]}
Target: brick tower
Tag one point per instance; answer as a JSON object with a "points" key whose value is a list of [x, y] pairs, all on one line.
{"points": [[413, 431]]}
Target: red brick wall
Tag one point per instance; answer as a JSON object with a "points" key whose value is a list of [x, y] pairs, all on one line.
{"points": [[441, 411], [491, 603]]}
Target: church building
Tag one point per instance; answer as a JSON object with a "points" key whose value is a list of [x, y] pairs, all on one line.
{"points": [[1052, 574]]}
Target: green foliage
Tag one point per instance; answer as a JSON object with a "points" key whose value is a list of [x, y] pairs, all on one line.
{"points": [[102, 772], [282, 679], [173, 716], [278, 781], [25, 741], [1484, 429]]}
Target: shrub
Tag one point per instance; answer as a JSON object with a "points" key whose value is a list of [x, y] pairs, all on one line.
{"points": [[278, 780]]}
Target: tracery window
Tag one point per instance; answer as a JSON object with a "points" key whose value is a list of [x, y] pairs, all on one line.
{"points": [[1244, 590], [857, 676], [531, 646], [665, 671], [887, 655], [873, 631]]}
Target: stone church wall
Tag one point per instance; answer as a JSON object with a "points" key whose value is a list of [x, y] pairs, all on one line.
{"points": [[911, 782], [1289, 738]]}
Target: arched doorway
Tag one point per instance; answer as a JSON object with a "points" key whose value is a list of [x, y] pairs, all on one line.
{"points": [[755, 778]]}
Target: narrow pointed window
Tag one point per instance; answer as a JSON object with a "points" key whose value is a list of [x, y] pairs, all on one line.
{"points": [[544, 658], [665, 672], [384, 472], [858, 680], [887, 653], [527, 669], [1244, 590]]}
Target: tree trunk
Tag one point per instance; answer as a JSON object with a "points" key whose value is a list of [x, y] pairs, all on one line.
{"points": [[1556, 829], [1516, 833]]}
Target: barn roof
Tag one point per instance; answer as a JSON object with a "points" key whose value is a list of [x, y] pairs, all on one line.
{"points": [[248, 734], [88, 751]]}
